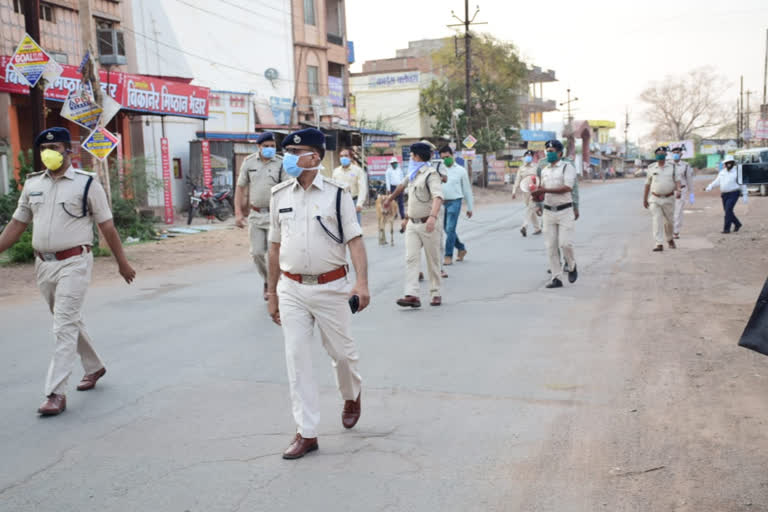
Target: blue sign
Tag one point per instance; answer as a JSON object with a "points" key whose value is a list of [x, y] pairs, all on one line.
{"points": [[281, 109], [594, 161], [350, 52], [537, 135], [336, 91]]}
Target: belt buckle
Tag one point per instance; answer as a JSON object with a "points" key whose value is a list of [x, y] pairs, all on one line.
{"points": [[48, 256], [308, 279]]}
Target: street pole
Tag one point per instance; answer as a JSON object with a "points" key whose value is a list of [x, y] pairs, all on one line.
{"points": [[765, 71], [32, 26], [626, 144]]}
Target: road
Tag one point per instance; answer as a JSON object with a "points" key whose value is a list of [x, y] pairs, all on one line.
{"points": [[508, 397]]}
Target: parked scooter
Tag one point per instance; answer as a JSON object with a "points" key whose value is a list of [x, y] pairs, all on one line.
{"points": [[210, 204]]}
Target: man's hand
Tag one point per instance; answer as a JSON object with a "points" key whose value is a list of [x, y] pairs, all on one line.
{"points": [[514, 195], [273, 307], [575, 214], [539, 211], [387, 202], [678, 195], [645, 203], [469, 214], [431, 224], [358, 209], [127, 272], [691, 198], [361, 290], [403, 224], [240, 221]]}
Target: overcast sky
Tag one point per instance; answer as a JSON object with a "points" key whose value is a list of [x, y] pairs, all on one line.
{"points": [[606, 52]]}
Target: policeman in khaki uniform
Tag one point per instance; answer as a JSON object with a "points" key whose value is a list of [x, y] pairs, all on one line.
{"points": [[661, 188], [355, 179], [312, 223], [425, 198], [558, 180], [685, 172], [62, 203], [258, 174], [527, 169]]}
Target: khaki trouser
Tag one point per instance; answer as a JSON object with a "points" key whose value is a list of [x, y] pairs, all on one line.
{"points": [[679, 207], [558, 235], [63, 285], [663, 214], [416, 238], [530, 217], [258, 227], [301, 307]]}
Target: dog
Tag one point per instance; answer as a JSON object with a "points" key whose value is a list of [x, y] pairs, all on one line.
{"points": [[386, 216]]}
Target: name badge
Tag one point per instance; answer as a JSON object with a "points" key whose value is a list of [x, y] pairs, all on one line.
{"points": [[32, 194], [285, 210]]}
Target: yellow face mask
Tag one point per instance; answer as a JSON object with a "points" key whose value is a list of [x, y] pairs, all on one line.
{"points": [[51, 159]]}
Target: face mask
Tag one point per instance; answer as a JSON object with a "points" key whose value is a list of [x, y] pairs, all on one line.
{"points": [[660, 157], [394, 165], [268, 152], [552, 157], [527, 159], [448, 161], [676, 156], [345, 161], [413, 168], [51, 159], [291, 164]]}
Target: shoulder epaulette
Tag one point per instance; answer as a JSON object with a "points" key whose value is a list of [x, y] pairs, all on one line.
{"points": [[85, 173], [281, 186], [33, 174], [335, 183]]}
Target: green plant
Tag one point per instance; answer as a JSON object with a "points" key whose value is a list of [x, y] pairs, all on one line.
{"points": [[129, 222], [22, 251], [699, 161]]}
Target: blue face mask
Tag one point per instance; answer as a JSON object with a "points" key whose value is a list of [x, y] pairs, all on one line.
{"points": [[268, 152], [413, 168], [676, 156], [291, 164], [527, 159], [345, 161]]}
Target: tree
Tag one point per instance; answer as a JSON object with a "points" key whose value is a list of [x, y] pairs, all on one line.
{"points": [[681, 106], [497, 80]]}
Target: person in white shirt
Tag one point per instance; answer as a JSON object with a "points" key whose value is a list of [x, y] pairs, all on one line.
{"points": [[456, 188], [729, 192], [393, 177], [685, 172], [354, 178]]}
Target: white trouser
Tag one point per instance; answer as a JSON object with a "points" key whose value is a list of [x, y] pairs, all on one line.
{"points": [[558, 236], [530, 217], [301, 306], [663, 213], [63, 285], [679, 207], [416, 238], [258, 227]]}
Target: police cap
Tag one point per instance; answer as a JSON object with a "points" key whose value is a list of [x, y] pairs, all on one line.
{"points": [[265, 137], [554, 144], [53, 135], [307, 137]]}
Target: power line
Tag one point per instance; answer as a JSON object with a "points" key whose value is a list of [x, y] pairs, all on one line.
{"points": [[281, 11], [231, 20]]}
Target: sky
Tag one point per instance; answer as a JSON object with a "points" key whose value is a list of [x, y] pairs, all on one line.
{"points": [[606, 52]]}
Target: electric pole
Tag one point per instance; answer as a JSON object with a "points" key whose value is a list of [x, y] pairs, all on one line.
{"points": [[741, 112], [568, 104], [626, 143], [32, 26]]}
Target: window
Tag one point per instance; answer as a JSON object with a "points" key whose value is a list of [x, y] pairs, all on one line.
{"points": [[309, 12], [18, 7], [46, 13], [312, 80], [104, 24], [59, 57]]}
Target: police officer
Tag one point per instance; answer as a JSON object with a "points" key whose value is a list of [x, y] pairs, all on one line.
{"points": [[258, 174], [312, 223], [354, 178], [527, 169], [425, 197], [685, 172], [63, 202], [661, 188], [558, 179]]}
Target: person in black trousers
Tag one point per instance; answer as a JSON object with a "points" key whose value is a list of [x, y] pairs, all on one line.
{"points": [[730, 190]]}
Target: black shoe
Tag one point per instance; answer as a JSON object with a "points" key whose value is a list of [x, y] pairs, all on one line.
{"points": [[556, 283], [573, 275], [523, 231], [737, 228], [658, 248], [725, 232]]}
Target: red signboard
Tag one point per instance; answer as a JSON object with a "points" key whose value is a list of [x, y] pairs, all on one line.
{"points": [[167, 192], [205, 147], [134, 92]]}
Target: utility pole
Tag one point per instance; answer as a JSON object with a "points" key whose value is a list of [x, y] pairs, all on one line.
{"points": [[568, 103], [626, 143], [746, 122], [32, 26], [765, 72]]}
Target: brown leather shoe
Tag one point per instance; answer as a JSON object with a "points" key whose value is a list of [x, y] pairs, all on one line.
{"points": [[55, 404], [436, 301], [658, 248], [461, 255], [409, 301], [672, 244], [300, 447], [447, 260], [443, 274], [89, 381], [421, 276], [351, 412]]}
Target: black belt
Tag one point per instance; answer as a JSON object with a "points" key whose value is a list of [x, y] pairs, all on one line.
{"points": [[558, 208], [421, 220]]}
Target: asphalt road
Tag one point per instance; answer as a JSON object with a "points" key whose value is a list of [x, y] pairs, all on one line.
{"points": [[465, 407]]}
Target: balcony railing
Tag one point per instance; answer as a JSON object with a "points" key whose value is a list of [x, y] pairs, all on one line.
{"points": [[337, 40]]}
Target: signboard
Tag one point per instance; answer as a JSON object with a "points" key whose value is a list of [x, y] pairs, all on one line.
{"points": [[120, 167], [468, 153], [29, 60], [688, 147], [469, 142], [281, 109], [761, 129], [394, 80], [537, 135], [205, 147], [336, 91], [537, 146], [714, 146], [377, 165], [167, 191], [80, 108], [159, 96], [100, 143]]}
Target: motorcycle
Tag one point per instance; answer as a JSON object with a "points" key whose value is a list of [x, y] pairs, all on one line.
{"points": [[209, 204]]}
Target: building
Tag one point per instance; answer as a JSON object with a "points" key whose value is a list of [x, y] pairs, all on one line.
{"points": [[533, 105]]}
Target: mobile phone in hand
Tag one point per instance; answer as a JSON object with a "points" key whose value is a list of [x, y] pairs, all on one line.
{"points": [[354, 303]]}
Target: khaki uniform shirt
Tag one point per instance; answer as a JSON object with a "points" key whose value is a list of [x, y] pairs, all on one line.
{"points": [[420, 195], [55, 208], [662, 179], [560, 174], [684, 172], [260, 176], [523, 172], [305, 247], [355, 180]]}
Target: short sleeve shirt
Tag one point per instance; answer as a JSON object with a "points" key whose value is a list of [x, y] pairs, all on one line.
{"points": [[662, 178], [298, 222], [422, 190], [55, 209], [561, 174], [260, 176]]}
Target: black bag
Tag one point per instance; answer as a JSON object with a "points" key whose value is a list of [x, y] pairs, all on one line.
{"points": [[755, 335]]}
